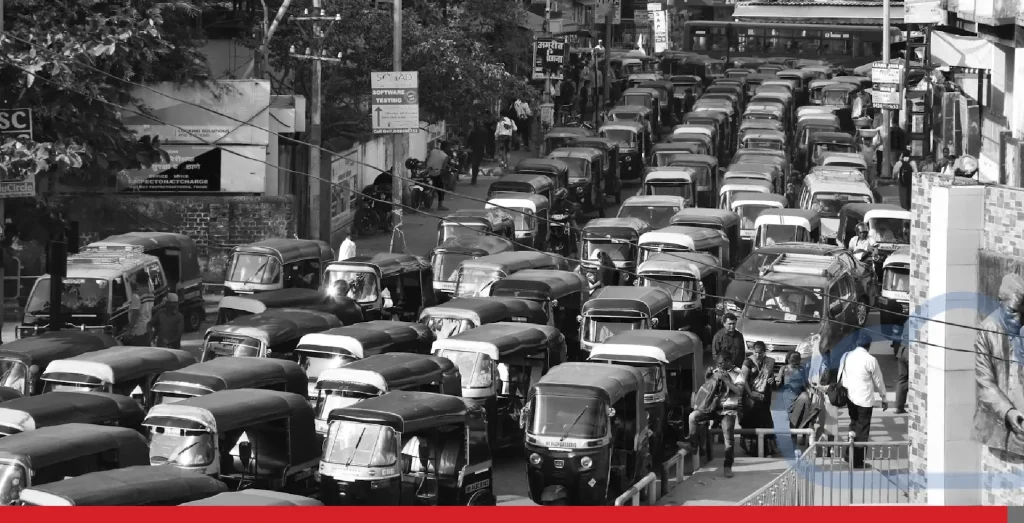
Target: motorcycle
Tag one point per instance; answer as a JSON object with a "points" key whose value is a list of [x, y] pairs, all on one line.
{"points": [[562, 237], [422, 190], [374, 210]]}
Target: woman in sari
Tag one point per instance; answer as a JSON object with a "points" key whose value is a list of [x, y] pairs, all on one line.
{"points": [[759, 372]]}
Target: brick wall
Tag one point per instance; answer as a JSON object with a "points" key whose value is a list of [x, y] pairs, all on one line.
{"points": [[216, 223]]}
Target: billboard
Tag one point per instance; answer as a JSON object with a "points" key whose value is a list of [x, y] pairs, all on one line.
{"points": [[200, 168], [549, 56]]}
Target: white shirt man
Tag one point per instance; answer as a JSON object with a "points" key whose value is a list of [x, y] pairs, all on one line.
{"points": [[348, 249], [522, 109], [862, 377]]}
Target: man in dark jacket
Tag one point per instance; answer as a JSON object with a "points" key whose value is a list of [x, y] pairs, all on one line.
{"points": [[168, 324], [479, 138], [729, 341]]}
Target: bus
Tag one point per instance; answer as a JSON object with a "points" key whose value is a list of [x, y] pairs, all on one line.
{"points": [[847, 45]]}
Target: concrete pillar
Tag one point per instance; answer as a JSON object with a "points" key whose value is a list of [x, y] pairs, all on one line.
{"points": [[1017, 104], [956, 233]]}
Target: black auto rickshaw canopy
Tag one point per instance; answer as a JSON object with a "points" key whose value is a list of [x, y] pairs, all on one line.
{"points": [[273, 328], [481, 311], [540, 285], [614, 228], [609, 383], [232, 373], [288, 250], [524, 183], [407, 412], [628, 301], [369, 338], [575, 156], [504, 341], [52, 445], [19, 356], [58, 408], [395, 371], [255, 498], [650, 347], [479, 222], [560, 137], [116, 365], [386, 265], [345, 308], [553, 168], [668, 153], [131, 486]]}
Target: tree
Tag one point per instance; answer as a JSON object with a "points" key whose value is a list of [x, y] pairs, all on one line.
{"points": [[70, 61]]}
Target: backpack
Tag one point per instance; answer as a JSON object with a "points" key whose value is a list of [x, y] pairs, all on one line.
{"points": [[707, 398]]}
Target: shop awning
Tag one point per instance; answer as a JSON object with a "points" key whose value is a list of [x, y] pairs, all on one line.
{"points": [[961, 51], [837, 12]]}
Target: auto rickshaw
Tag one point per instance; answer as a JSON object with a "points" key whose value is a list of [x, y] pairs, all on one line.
{"points": [[722, 122], [706, 179], [755, 80], [558, 137], [756, 125], [276, 264], [255, 498], [379, 374], [498, 363], [58, 408], [253, 437], [702, 144], [778, 96], [888, 224], [772, 162], [119, 370], [612, 310], [804, 77], [807, 110], [231, 307], [52, 454], [707, 129], [612, 163], [678, 238], [463, 314], [556, 170], [407, 448], [335, 348], [738, 73], [815, 90], [387, 286], [634, 144], [765, 111], [721, 220], [824, 142], [764, 139], [529, 213], [729, 99], [655, 210], [272, 334], [846, 160], [748, 206], [688, 81], [839, 97], [22, 361], [585, 176], [670, 181], [178, 256], [673, 365], [665, 154], [226, 374], [130, 486], [446, 258], [746, 170], [666, 100], [561, 293], [587, 439], [476, 276], [818, 71], [774, 226], [617, 237], [690, 278], [894, 300], [729, 190], [523, 183], [807, 126], [476, 222]]}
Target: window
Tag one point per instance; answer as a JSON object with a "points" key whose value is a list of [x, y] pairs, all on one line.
{"points": [[119, 293], [156, 276]]}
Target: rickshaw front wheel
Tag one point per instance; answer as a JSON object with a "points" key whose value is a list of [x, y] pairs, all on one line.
{"points": [[194, 319]]}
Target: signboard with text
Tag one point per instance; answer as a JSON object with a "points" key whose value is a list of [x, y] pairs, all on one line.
{"points": [[887, 85], [549, 56], [396, 102], [16, 123], [641, 18]]}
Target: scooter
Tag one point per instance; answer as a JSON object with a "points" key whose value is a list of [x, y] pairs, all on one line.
{"points": [[422, 190]]}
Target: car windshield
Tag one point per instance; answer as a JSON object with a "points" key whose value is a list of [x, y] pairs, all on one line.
{"points": [[618, 251], [657, 216], [361, 445], [829, 204], [677, 188], [568, 416], [477, 369], [328, 400], [771, 234], [897, 280], [822, 148], [752, 265], [626, 138], [475, 281], [447, 327], [785, 303], [681, 288], [227, 345], [891, 230], [185, 448], [598, 329], [254, 268], [360, 285], [314, 363], [446, 265], [13, 374], [749, 213], [12, 481], [79, 296]]}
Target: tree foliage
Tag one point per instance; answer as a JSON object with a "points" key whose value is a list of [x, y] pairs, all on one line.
{"points": [[70, 60]]}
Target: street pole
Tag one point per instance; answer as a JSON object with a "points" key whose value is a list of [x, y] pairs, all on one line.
{"points": [[608, 55], [547, 75], [399, 142], [3, 223], [886, 167]]}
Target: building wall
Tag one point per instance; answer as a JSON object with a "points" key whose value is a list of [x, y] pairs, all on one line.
{"points": [[216, 223]]}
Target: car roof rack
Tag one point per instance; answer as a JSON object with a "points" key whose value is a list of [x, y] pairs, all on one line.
{"points": [[807, 264]]}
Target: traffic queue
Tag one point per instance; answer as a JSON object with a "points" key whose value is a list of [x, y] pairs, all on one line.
{"points": [[392, 379]]}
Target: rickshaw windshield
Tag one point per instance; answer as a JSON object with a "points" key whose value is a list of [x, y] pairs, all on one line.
{"points": [[451, 230], [578, 168], [598, 329], [315, 363], [361, 445], [836, 97], [680, 188], [654, 379], [625, 116], [617, 250], [785, 303], [749, 213], [472, 281], [568, 416], [523, 218], [13, 480], [822, 148], [657, 216], [625, 137], [56, 386], [897, 280], [79, 296], [829, 204], [775, 233], [328, 400], [13, 374], [681, 288], [770, 145], [714, 67], [448, 327], [636, 99], [667, 159], [477, 369], [446, 265], [632, 68], [254, 268], [891, 230], [359, 285], [226, 345], [186, 448], [552, 143]]}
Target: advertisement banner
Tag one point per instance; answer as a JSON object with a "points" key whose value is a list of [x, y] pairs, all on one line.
{"points": [[923, 12], [660, 19], [549, 55], [18, 188], [344, 170], [235, 112], [200, 168]]}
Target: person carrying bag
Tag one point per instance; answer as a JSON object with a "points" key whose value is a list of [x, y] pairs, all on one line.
{"points": [[836, 393]]}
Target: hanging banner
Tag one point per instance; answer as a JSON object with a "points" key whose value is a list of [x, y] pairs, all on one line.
{"points": [[660, 31], [549, 56]]}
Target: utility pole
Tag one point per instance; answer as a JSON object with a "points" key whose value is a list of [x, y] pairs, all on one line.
{"points": [[3, 223], [399, 142], [886, 168], [319, 217], [607, 52], [547, 75]]}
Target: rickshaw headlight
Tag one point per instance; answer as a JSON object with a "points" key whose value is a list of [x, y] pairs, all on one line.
{"points": [[586, 462], [535, 459]]}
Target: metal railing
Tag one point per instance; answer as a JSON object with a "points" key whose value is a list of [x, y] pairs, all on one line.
{"points": [[823, 476], [673, 470], [762, 433], [648, 485]]}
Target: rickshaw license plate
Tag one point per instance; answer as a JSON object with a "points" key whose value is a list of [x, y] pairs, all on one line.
{"points": [[559, 463]]}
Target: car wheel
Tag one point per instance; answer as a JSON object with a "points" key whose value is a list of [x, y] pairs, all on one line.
{"points": [[862, 313]]}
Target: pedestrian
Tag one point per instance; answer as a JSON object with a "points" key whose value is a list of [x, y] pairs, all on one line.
{"points": [[947, 164], [929, 164], [168, 324], [503, 135], [759, 373], [905, 169], [584, 98], [599, 86], [524, 115], [606, 114], [729, 341], [478, 139], [437, 166], [903, 378], [566, 97], [491, 123], [729, 407], [860, 374], [348, 248], [140, 312]]}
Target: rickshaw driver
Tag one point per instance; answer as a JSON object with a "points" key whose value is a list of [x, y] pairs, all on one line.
{"points": [[861, 245]]}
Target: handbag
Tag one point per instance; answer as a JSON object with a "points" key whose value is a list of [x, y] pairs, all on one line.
{"points": [[836, 392]]}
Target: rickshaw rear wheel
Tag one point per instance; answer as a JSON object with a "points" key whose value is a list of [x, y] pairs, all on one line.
{"points": [[194, 319]]}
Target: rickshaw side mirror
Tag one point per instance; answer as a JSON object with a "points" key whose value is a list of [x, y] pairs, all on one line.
{"points": [[554, 303], [579, 318], [654, 322], [611, 412]]}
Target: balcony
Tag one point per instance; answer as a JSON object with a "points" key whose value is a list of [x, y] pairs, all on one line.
{"points": [[989, 12]]}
